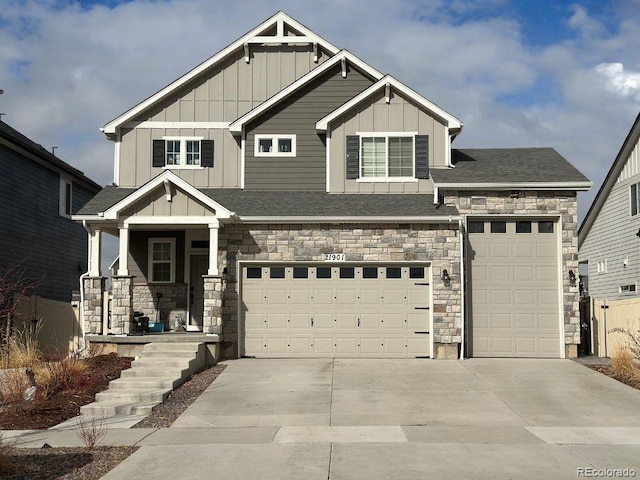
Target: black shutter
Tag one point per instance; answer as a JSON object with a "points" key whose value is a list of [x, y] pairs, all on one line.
{"points": [[158, 153], [353, 156], [422, 156], [207, 153]]}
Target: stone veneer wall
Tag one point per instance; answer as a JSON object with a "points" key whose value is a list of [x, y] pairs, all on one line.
{"points": [[93, 306], [173, 302], [121, 304], [561, 203], [436, 243]]}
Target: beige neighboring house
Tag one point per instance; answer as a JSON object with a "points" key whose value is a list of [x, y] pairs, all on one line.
{"points": [[286, 199]]}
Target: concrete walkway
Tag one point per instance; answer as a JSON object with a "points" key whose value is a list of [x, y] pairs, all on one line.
{"points": [[381, 419]]}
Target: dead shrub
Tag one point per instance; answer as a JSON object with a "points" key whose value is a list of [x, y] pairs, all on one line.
{"points": [[91, 430], [624, 367], [6, 449], [21, 349], [14, 384], [632, 340], [61, 376]]}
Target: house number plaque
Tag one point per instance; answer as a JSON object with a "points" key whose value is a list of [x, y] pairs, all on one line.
{"points": [[333, 257]]}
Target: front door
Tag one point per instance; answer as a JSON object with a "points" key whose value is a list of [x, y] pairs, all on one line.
{"points": [[199, 267]]}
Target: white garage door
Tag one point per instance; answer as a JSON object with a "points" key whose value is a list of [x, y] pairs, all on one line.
{"points": [[514, 288], [336, 311]]}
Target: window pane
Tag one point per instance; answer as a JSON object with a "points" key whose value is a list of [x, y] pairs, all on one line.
{"points": [[498, 227], [369, 272], [193, 152], [634, 199], [300, 272], [173, 152], [545, 226], [400, 156], [323, 272], [416, 272], [254, 272], [162, 251], [162, 272], [277, 272], [476, 227], [523, 227], [373, 157], [284, 144], [347, 272], [264, 144], [67, 198], [394, 272]]}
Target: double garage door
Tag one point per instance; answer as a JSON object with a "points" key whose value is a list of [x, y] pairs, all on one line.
{"points": [[336, 310], [515, 307]]}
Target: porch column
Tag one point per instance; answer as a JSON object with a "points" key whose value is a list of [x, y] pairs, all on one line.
{"points": [[213, 248], [212, 309], [95, 253], [121, 304], [123, 253], [92, 306]]}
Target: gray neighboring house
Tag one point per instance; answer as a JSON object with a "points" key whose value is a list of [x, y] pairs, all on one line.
{"points": [[39, 194], [608, 238], [286, 199]]}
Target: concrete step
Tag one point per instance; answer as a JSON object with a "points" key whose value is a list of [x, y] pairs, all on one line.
{"points": [[160, 368]]}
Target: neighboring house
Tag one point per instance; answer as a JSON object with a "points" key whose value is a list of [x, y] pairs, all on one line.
{"points": [[608, 239], [287, 199], [38, 239]]}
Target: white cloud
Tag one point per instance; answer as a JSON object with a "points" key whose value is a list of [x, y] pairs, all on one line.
{"points": [[626, 84]]}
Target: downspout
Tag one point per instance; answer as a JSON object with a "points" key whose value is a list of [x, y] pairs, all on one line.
{"points": [[462, 290], [82, 277]]}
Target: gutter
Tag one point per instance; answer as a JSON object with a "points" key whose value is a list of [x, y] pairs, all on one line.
{"points": [[82, 277], [581, 186], [382, 219]]}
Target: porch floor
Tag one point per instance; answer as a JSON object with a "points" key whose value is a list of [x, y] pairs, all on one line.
{"points": [[177, 337]]}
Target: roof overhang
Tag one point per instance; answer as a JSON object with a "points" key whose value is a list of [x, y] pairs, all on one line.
{"points": [[237, 126], [449, 120], [348, 219], [253, 36], [579, 186]]}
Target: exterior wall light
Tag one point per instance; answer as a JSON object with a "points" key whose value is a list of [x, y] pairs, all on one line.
{"points": [[446, 279], [572, 278]]}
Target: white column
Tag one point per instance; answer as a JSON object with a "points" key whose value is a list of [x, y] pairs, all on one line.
{"points": [[213, 249], [95, 253], [123, 253]]}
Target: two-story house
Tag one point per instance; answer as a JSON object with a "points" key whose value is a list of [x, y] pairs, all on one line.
{"points": [[608, 237], [40, 245], [288, 199]]}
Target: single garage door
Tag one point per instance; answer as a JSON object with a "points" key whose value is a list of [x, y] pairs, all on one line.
{"points": [[514, 288], [336, 311]]}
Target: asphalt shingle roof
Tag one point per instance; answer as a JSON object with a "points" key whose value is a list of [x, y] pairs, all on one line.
{"points": [[508, 165], [257, 203]]}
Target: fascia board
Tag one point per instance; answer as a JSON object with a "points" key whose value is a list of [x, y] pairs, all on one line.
{"points": [[350, 219], [452, 122], [237, 126], [221, 211], [582, 186], [110, 128]]}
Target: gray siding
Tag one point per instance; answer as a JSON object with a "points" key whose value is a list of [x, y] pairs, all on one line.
{"points": [[50, 249], [613, 238], [139, 254], [298, 115]]}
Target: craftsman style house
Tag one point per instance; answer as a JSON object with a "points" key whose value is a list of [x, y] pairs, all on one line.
{"points": [[40, 246], [287, 199]]}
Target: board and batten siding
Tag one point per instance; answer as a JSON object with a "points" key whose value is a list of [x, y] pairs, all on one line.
{"points": [[612, 237], [298, 116], [222, 94], [49, 248], [375, 115], [156, 204]]}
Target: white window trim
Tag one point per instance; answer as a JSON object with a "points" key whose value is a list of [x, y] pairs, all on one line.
{"points": [[634, 191], [170, 240], [276, 137], [183, 153], [62, 197], [634, 292], [387, 178], [602, 266]]}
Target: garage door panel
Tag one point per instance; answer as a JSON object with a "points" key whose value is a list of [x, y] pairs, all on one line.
{"points": [[345, 316], [517, 316]]}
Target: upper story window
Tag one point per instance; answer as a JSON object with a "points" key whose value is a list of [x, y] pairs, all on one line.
{"points": [[162, 256], [275, 146], [65, 200], [183, 152], [388, 156], [635, 198]]}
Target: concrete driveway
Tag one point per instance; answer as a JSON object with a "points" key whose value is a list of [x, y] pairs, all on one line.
{"points": [[408, 419]]}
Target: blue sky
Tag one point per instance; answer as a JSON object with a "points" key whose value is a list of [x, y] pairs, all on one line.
{"points": [[518, 73]]}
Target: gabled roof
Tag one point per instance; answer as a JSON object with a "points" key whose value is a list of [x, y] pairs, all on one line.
{"points": [[509, 168], [44, 157], [237, 125], [253, 36], [450, 120], [282, 206], [610, 180], [127, 197]]}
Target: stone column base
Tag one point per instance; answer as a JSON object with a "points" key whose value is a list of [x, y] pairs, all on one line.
{"points": [[571, 351], [92, 308], [445, 351], [121, 304], [212, 310]]}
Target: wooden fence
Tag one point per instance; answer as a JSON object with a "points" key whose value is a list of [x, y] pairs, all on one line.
{"points": [[607, 316], [57, 324]]}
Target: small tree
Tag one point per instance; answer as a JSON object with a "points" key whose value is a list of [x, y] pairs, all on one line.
{"points": [[14, 286]]}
